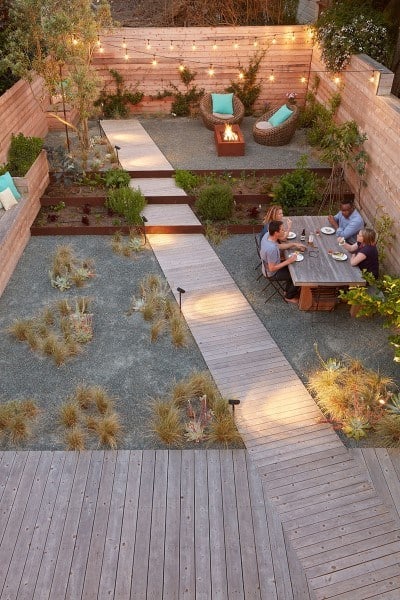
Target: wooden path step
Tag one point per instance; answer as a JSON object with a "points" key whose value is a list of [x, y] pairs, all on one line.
{"points": [[140, 525], [317, 487], [137, 151], [158, 187]]}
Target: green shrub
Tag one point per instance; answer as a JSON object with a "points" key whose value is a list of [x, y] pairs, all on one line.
{"points": [[115, 106], [248, 89], [298, 188], [215, 202], [22, 154], [186, 180], [116, 178], [127, 202]]}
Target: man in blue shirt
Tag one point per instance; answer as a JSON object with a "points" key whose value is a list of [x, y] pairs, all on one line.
{"points": [[348, 222]]}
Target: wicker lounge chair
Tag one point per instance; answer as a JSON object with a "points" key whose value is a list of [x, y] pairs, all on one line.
{"points": [[209, 119], [278, 135]]}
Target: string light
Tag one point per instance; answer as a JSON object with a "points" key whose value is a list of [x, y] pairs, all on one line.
{"points": [[235, 44], [124, 43], [272, 76], [98, 41], [215, 45], [336, 79], [181, 67], [274, 39], [154, 61], [372, 77], [303, 79], [241, 75], [171, 46], [211, 71], [74, 40], [194, 46], [148, 45], [293, 36], [126, 54], [101, 49], [255, 43]]}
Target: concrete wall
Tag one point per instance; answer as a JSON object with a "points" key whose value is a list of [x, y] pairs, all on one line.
{"points": [[377, 113], [20, 112]]}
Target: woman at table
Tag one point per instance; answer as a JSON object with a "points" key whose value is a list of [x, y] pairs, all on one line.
{"points": [[364, 253], [274, 213]]}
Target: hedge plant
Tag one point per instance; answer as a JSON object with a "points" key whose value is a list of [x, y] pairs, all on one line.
{"points": [[215, 202], [22, 154], [298, 188]]}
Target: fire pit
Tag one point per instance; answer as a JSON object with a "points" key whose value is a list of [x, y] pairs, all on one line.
{"points": [[229, 140]]}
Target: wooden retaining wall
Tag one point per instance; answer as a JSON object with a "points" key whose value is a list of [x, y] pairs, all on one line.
{"points": [[377, 113], [288, 55], [20, 112], [15, 224]]}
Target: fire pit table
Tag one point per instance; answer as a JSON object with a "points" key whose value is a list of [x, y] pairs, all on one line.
{"points": [[229, 140]]}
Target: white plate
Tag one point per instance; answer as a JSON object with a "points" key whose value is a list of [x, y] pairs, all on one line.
{"points": [[339, 256], [299, 257], [291, 235], [327, 230]]}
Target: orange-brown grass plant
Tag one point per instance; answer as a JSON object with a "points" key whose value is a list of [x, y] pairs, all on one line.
{"points": [[178, 331], [102, 400], [50, 344], [220, 407], [151, 307], [83, 303], [63, 307], [69, 414], [65, 326], [151, 283], [42, 329], [73, 347], [34, 340], [29, 408], [63, 260], [325, 385], [47, 316], [91, 423], [201, 383], [75, 439], [5, 415], [109, 430], [83, 396], [60, 353], [157, 329], [77, 279], [388, 429], [21, 329], [166, 422], [18, 428], [126, 251], [223, 430]]}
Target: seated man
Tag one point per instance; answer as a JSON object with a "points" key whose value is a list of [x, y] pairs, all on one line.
{"points": [[270, 252], [347, 222]]}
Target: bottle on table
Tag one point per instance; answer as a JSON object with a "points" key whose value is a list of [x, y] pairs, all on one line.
{"points": [[303, 236]]}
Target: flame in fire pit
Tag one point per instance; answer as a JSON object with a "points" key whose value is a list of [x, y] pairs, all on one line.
{"points": [[229, 135]]}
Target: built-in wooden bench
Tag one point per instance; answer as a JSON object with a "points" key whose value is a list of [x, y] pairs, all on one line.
{"points": [[15, 223]]}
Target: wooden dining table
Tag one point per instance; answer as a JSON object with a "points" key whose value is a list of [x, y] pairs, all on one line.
{"points": [[318, 268]]}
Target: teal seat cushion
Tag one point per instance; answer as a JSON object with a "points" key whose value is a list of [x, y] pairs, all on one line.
{"points": [[222, 103], [6, 181], [281, 115]]}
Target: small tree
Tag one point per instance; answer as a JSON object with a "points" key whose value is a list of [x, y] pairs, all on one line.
{"points": [[248, 88], [57, 41]]}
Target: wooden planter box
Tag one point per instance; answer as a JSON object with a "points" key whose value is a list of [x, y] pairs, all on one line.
{"points": [[34, 183]]}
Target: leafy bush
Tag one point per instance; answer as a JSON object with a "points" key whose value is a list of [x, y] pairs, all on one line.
{"points": [[116, 178], [248, 88], [115, 106], [298, 188], [127, 202], [184, 101], [348, 28], [215, 202], [186, 180], [22, 154]]}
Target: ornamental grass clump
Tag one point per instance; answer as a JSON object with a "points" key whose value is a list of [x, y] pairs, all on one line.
{"points": [[89, 416], [17, 420], [194, 412], [68, 270], [351, 397]]}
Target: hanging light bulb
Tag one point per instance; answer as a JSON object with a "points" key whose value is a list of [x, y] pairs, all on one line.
{"points": [[211, 71], [372, 77], [98, 41], [181, 67], [241, 75], [235, 44], [123, 43], [215, 45], [101, 49], [148, 45], [293, 37], [126, 54], [154, 61], [194, 46], [274, 39], [171, 46], [272, 76], [74, 40], [303, 79], [336, 79], [255, 43]]}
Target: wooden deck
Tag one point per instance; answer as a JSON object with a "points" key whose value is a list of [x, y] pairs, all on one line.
{"points": [[138, 525], [320, 491]]}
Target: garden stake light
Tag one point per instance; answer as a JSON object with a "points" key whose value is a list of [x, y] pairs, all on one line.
{"points": [[233, 402], [181, 291], [144, 221]]}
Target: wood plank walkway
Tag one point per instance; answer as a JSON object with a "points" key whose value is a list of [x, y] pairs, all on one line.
{"points": [[140, 525], [320, 491]]}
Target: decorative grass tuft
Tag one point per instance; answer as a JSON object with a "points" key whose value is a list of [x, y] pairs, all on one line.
{"points": [[75, 439], [109, 430], [69, 414], [223, 430], [168, 427], [388, 429]]}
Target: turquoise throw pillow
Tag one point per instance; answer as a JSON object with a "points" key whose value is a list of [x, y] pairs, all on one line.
{"points": [[222, 103], [6, 181], [281, 115]]}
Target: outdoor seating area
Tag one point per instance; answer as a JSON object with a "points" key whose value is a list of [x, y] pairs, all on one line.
{"points": [[275, 135], [215, 116]]}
